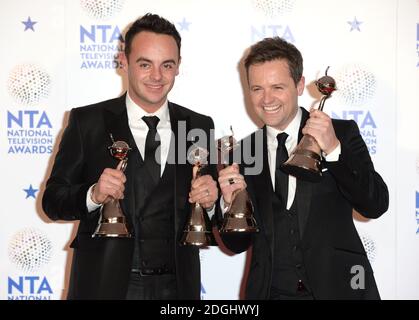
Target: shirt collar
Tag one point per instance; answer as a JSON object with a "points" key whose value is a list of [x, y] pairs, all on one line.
{"points": [[292, 129], [136, 112]]}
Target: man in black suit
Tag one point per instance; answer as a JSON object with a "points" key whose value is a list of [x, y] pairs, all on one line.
{"points": [[156, 189], [307, 247]]}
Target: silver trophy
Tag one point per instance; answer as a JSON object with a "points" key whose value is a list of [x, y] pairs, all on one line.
{"points": [[112, 218]]}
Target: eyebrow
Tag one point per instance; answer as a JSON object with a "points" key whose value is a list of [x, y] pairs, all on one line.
{"points": [[148, 60]]}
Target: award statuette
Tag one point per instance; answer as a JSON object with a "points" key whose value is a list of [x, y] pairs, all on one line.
{"points": [[112, 219], [239, 217], [304, 161], [198, 230]]}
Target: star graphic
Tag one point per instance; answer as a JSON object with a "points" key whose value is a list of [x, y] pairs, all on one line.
{"points": [[355, 24], [30, 192], [29, 24], [184, 25], [202, 288]]}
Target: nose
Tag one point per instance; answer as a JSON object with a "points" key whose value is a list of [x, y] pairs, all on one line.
{"points": [[268, 97], [156, 74]]}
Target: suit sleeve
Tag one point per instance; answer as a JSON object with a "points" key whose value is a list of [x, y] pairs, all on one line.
{"points": [[65, 193], [355, 175]]}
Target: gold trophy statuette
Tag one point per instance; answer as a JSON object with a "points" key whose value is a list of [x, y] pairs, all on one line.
{"points": [[304, 162], [239, 217], [198, 230], [112, 218]]}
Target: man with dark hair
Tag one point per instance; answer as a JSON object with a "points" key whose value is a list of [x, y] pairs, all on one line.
{"points": [[156, 186], [307, 247]]}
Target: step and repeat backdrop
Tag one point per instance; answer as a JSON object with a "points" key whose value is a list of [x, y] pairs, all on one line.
{"points": [[60, 54]]}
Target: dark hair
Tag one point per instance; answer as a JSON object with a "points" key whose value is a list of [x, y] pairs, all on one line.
{"points": [[153, 23], [275, 48]]}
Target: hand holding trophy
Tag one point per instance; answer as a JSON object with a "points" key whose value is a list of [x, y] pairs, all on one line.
{"points": [[198, 231], [304, 161], [112, 219], [239, 217]]}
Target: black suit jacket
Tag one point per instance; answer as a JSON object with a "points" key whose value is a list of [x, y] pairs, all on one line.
{"points": [[101, 266], [330, 243]]}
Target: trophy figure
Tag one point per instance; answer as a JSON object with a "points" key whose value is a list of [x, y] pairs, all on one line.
{"points": [[112, 218], [239, 217], [198, 230], [304, 162]]}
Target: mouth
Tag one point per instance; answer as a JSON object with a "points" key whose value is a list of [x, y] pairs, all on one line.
{"points": [[271, 109], [154, 86]]}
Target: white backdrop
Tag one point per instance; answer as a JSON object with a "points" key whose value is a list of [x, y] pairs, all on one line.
{"points": [[58, 54]]}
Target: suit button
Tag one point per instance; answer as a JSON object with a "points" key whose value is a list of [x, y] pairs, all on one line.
{"points": [[294, 248], [298, 265], [292, 231], [144, 263]]}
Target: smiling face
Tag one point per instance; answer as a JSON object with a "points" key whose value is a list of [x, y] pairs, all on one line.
{"points": [[152, 66], [273, 93]]}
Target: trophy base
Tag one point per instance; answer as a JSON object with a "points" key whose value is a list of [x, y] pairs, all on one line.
{"points": [[238, 224], [303, 167], [112, 230], [197, 238]]}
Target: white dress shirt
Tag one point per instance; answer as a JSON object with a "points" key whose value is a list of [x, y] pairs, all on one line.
{"points": [[139, 128]]}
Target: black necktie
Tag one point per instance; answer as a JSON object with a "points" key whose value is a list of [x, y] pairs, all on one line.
{"points": [[281, 178], [152, 142]]}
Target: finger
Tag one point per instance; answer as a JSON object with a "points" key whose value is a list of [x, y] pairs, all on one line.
{"points": [[109, 181], [204, 195], [230, 169], [110, 185], [198, 182], [230, 179], [115, 174], [112, 190], [240, 185], [205, 180], [200, 192]]}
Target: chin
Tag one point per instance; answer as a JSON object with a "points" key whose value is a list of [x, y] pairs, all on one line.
{"points": [[272, 122]]}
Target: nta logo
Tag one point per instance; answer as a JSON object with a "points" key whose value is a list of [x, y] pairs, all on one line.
{"points": [[29, 288]]}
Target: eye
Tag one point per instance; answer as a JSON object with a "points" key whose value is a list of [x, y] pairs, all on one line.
{"points": [[168, 66], [256, 89], [144, 65], [279, 88]]}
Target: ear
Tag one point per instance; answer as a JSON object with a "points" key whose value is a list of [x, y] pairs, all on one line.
{"points": [[178, 65], [300, 86], [123, 60]]}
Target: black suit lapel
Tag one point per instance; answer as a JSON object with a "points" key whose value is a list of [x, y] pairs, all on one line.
{"points": [[176, 159], [264, 189]]}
